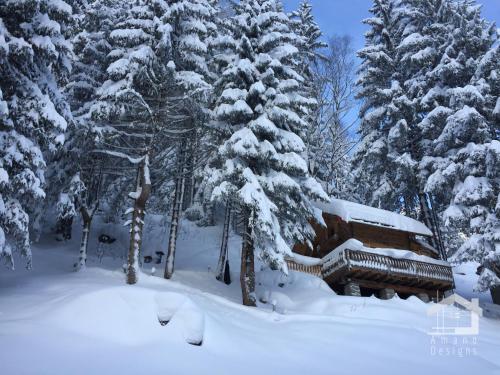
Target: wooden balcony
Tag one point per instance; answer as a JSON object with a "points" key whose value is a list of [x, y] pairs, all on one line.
{"points": [[313, 270], [373, 270]]}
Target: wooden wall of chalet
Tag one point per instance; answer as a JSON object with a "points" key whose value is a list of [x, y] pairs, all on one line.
{"points": [[338, 231], [373, 236]]}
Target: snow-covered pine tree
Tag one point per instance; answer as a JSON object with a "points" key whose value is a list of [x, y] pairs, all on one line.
{"points": [[442, 45], [466, 153], [309, 42], [263, 170], [426, 28], [90, 46], [437, 46], [192, 23], [132, 106], [34, 61], [487, 80], [222, 52], [379, 86], [474, 206]]}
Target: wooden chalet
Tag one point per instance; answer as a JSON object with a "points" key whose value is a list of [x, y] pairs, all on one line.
{"points": [[365, 251]]}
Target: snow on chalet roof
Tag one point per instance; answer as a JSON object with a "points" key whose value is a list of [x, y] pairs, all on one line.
{"points": [[350, 211]]}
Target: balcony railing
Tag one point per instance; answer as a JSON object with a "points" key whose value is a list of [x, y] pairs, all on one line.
{"points": [[313, 270], [346, 258]]}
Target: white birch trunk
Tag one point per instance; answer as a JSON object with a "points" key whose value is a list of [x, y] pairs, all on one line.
{"points": [[87, 221], [137, 223], [176, 213]]}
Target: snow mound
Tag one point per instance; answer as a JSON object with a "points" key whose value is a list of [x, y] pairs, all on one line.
{"points": [[178, 310], [121, 315]]}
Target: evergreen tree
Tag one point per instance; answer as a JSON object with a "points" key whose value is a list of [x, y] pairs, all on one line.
{"points": [[465, 153], [151, 104], [309, 42], [132, 105], [427, 32], [440, 48], [432, 111], [222, 53], [379, 86], [35, 58], [263, 171], [192, 23], [90, 47]]}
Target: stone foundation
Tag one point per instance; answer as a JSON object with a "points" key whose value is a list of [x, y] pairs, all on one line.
{"points": [[352, 289], [386, 293], [424, 297]]}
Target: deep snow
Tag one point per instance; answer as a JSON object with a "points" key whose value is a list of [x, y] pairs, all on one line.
{"points": [[56, 321]]}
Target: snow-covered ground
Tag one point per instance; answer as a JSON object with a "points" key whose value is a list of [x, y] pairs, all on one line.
{"points": [[56, 321]]}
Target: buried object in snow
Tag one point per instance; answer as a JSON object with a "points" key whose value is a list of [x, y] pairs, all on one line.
{"points": [[104, 238], [177, 310]]}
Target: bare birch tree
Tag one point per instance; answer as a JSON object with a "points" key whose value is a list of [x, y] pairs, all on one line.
{"points": [[328, 137]]}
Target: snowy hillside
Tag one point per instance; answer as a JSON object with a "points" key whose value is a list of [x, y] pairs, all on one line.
{"points": [[56, 321]]}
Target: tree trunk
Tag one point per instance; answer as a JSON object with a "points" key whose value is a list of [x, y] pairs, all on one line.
{"points": [[247, 275], [176, 213], [188, 191], [222, 273], [87, 221], [209, 212], [137, 222], [439, 236], [430, 220]]}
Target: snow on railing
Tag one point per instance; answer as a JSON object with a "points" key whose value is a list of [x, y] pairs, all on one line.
{"points": [[406, 267], [314, 269], [333, 261], [347, 256], [353, 253]]}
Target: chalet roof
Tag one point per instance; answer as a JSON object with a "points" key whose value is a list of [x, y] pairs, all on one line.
{"points": [[355, 212]]}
